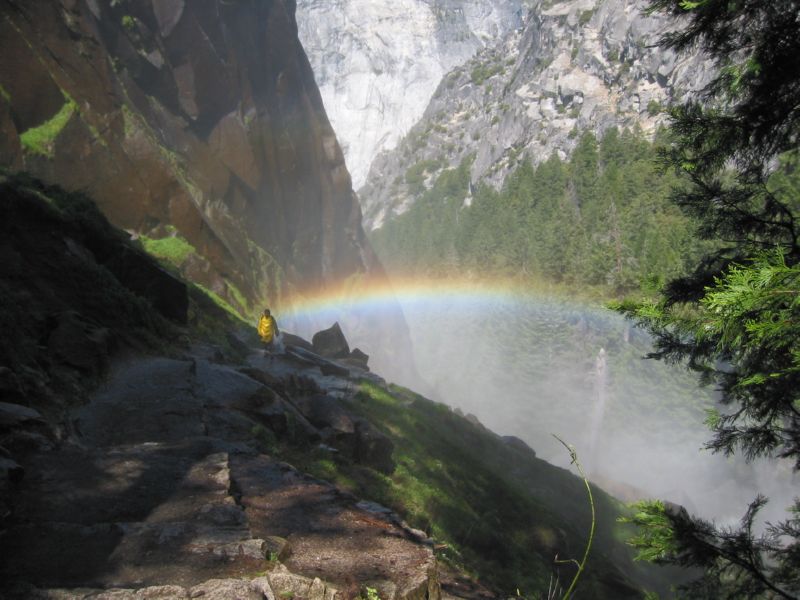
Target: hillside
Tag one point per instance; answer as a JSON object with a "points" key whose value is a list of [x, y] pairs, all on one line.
{"points": [[600, 220], [172, 453]]}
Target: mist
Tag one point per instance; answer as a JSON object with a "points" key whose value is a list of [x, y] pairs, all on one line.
{"points": [[536, 366]]}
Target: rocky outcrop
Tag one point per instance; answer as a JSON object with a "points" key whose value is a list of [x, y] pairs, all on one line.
{"points": [[377, 63], [577, 65], [355, 437], [191, 119], [167, 489], [331, 343]]}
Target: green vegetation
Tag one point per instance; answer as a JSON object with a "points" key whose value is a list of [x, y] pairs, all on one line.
{"points": [[174, 249], [236, 294], [654, 107], [582, 564], [128, 22], [39, 139], [483, 71], [220, 302], [601, 219], [734, 318], [370, 593], [212, 319], [415, 175], [499, 512], [585, 17]]}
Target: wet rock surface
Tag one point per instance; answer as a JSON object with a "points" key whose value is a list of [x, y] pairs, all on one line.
{"points": [[200, 117], [164, 491]]}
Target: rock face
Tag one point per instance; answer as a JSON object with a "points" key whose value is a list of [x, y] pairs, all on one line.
{"points": [[168, 493], [197, 119], [377, 63], [577, 65]]}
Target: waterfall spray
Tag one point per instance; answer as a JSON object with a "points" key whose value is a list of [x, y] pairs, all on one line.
{"points": [[600, 381]]}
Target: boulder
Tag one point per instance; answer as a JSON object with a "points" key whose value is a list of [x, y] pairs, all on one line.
{"points": [[289, 339], [277, 547], [326, 412], [331, 343], [289, 585], [359, 356], [373, 448]]}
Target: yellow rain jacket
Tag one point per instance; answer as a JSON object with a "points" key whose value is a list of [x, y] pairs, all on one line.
{"points": [[267, 327]]}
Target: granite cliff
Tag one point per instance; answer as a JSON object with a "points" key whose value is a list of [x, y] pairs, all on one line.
{"points": [[577, 65], [377, 63], [193, 121]]}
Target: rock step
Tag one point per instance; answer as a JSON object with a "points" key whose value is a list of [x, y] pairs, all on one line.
{"points": [[277, 583], [169, 490], [139, 515], [332, 536], [213, 589]]}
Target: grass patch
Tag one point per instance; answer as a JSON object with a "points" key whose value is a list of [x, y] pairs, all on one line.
{"points": [[501, 513], [238, 297], [39, 140], [220, 302], [173, 249]]}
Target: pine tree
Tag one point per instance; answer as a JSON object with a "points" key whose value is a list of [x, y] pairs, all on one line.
{"points": [[736, 318]]}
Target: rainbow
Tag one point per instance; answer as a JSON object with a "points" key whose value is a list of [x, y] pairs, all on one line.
{"points": [[379, 295]]}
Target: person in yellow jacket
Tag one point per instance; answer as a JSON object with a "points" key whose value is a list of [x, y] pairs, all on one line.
{"points": [[268, 329]]}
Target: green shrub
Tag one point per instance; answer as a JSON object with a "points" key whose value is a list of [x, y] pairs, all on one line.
{"points": [[654, 107], [585, 17]]}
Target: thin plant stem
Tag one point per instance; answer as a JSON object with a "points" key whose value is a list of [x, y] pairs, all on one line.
{"points": [[573, 454]]}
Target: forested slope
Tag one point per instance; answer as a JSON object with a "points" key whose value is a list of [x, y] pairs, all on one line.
{"points": [[601, 218]]}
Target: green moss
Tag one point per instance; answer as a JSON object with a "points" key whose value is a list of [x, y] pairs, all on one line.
{"points": [[238, 296], [175, 249], [4, 94], [39, 140], [128, 22], [220, 302]]}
